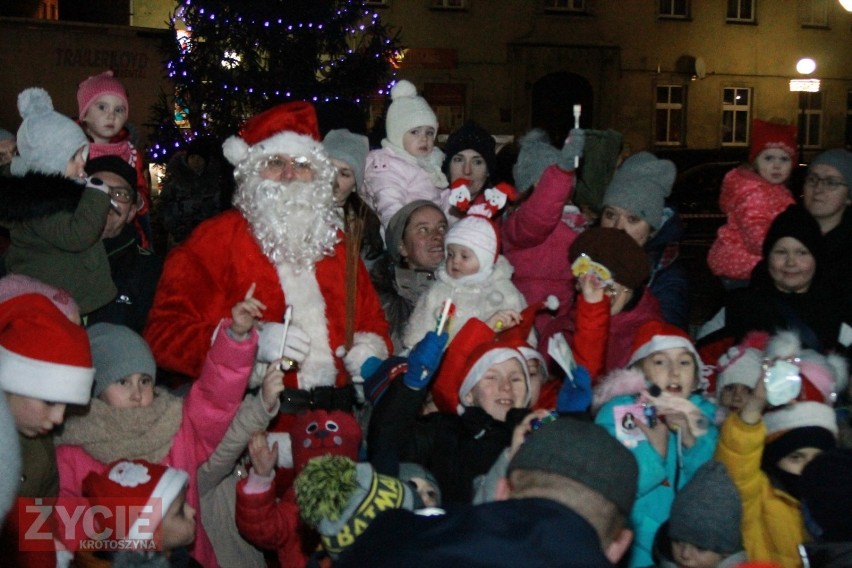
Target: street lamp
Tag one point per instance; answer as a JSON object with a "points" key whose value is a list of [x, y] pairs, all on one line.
{"points": [[847, 5], [805, 66]]}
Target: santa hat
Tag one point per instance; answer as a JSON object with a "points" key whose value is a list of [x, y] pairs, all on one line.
{"points": [[407, 111], [324, 432], [43, 355], [655, 336], [94, 87], [290, 129], [471, 353], [805, 414], [522, 335], [823, 377], [742, 364], [15, 285], [479, 235], [767, 135], [47, 140], [136, 480]]}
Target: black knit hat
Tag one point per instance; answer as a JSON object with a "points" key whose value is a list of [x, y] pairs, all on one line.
{"points": [[115, 165], [615, 249], [471, 136], [796, 222]]}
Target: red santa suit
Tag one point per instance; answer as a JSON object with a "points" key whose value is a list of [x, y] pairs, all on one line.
{"points": [[217, 264]]}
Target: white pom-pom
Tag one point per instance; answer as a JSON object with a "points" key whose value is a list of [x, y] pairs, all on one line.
{"points": [[840, 368], [340, 351], [34, 100], [403, 89], [785, 344], [235, 150], [551, 302]]}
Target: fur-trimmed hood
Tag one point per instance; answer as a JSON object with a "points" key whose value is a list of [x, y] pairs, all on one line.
{"points": [[618, 383], [37, 195]]}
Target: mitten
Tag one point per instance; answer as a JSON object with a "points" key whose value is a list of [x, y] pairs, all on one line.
{"points": [[572, 149], [424, 360], [296, 346], [575, 395]]}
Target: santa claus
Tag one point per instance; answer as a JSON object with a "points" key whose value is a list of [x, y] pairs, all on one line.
{"points": [[283, 236]]}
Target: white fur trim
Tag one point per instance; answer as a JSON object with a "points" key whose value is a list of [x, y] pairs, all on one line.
{"points": [[52, 382], [235, 150], [488, 360], [840, 367], [171, 483], [289, 143], [365, 345], [617, 383], [800, 415], [784, 344], [660, 342], [302, 291]]}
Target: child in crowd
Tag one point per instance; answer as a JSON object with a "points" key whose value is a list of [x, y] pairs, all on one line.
{"points": [[151, 482], [737, 373], [481, 393], [274, 524], [534, 235], [54, 218], [704, 528], [753, 194], [45, 364], [655, 407], [103, 111], [765, 455], [131, 418], [474, 275], [408, 165]]}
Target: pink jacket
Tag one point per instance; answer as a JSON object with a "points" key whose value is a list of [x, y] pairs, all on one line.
{"points": [[208, 410], [751, 204], [391, 181], [536, 241]]}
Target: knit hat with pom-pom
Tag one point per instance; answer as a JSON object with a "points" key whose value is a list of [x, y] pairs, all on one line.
{"points": [[340, 498], [47, 140], [406, 111], [103, 84]]}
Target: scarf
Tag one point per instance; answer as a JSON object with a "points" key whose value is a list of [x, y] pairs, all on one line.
{"points": [[108, 433]]}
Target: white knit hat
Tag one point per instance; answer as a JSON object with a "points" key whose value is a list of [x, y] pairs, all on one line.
{"points": [[479, 235], [407, 111], [47, 140]]}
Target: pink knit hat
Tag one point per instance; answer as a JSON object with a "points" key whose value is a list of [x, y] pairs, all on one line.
{"points": [[15, 285], [93, 87]]}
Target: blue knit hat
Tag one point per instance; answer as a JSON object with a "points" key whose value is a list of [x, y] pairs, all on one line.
{"points": [[838, 158]]}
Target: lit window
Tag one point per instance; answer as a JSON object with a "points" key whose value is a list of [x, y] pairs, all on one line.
{"points": [[669, 115], [677, 9], [810, 119], [736, 116], [740, 11]]}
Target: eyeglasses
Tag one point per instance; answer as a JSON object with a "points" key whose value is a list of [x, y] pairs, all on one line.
{"points": [[278, 164], [831, 184], [121, 194]]}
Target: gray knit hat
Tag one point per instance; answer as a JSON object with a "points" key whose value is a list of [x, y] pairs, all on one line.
{"points": [[641, 186], [118, 352], [707, 512], [396, 226], [350, 148], [586, 453], [536, 154], [838, 158], [47, 140]]}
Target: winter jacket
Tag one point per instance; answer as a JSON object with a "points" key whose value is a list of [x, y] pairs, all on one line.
{"points": [[217, 486], [536, 242], [751, 204], [602, 343], [210, 406], [399, 289], [215, 266], [772, 521], [393, 179], [189, 198], [456, 449], [669, 281], [477, 299], [136, 272], [55, 227], [529, 532], [659, 478]]}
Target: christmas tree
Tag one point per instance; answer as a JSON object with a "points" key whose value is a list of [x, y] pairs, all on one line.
{"points": [[237, 58]]}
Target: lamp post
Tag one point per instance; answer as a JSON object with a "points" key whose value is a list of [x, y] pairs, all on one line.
{"points": [[805, 67]]}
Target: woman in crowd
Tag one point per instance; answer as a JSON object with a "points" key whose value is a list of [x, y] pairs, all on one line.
{"points": [[470, 154]]}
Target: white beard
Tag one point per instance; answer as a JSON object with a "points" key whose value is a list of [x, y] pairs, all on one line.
{"points": [[293, 222]]}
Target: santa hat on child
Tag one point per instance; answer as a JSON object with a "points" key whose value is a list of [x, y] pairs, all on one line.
{"points": [[15, 285], [43, 354], [824, 377], [470, 354], [767, 135], [655, 336], [798, 425], [291, 129], [149, 484], [742, 364], [479, 235], [97, 85]]}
